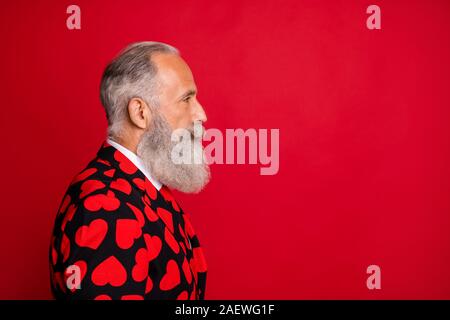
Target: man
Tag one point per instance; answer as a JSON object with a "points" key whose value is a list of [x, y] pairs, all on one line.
{"points": [[119, 233]]}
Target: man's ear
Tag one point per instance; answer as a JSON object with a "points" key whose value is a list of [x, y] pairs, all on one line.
{"points": [[139, 113]]}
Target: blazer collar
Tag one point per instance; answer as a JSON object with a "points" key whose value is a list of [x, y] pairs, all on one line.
{"points": [[136, 161], [114, 157]]}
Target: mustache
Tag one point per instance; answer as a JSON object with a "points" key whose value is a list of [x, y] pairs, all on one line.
{"points": [[197, 131]]}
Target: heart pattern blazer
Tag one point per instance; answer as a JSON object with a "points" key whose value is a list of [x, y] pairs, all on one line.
{"points": [[117, 237]]}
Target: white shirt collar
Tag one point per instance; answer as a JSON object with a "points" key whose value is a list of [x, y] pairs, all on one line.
{"points": [[136, 161]]}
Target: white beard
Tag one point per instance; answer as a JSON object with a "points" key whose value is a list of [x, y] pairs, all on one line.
{"points": [[155, 149]]}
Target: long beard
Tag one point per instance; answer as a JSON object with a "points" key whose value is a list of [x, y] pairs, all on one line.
{"points": [[155, 150]]}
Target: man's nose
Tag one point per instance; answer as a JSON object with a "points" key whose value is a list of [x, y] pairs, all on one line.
{"points": [[201, 114]]}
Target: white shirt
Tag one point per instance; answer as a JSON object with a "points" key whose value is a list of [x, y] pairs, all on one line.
{"points": [[136, 161]]}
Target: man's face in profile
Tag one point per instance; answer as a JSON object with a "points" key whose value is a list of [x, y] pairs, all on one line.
{"points": [[178, 108], [177, 92]]}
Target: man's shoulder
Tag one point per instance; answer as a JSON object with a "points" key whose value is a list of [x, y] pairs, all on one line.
{"points": [[97, 169], [99, 186], [99, 177]]}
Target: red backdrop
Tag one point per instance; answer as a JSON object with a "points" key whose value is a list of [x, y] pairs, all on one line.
{"points": [[364, 138]]}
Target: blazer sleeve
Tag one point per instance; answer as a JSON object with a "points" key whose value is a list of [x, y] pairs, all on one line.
{"points": [[103, 251]]}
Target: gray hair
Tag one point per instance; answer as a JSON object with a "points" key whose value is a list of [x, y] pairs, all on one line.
{"points": [[132, 74]]}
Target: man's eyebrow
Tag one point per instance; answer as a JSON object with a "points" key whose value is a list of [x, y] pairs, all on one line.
{"points": [[188, 93]]}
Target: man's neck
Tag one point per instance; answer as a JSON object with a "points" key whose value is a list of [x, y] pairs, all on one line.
{"points": [[127, 143], [132, 156]]}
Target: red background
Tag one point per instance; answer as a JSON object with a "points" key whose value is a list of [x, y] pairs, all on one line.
{"points": [[364, 138]]}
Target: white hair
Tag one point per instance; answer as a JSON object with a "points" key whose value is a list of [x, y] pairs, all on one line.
{"points": [[132, 74]]}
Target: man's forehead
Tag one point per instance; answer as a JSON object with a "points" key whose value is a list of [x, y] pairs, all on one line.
{"points": [[173, 70]]}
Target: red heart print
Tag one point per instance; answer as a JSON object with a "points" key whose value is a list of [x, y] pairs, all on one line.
{"points": [[84, 175], [91, 236], [151, 215], [172, 277], [65, 247], [188, 226], [110, 271], [127, 230], [187, 270], [170, 240], [166, 216], [148, 285], [124, 163], [90, 186], [140, 269], [109, 173], [153, 244], [138, 214], [68, 217], [102, 201], [183, 295], [140, 183], [150, 189], [121, 185]]}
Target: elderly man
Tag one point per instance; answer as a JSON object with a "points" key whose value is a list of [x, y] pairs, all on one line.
{"points": [[119, 233]]}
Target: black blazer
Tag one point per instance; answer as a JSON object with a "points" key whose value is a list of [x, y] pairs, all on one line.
{"points": [[117, 237]]}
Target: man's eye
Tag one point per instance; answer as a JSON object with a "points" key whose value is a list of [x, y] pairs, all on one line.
{"points": [[187, 99]]}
